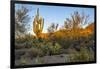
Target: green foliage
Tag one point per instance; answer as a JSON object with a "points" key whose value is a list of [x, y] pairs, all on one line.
{"points": [[39, 60], [49, 49], [23, 61], [54, 50], [64, 41], [75, 43], [83, 56], [21, 21], [45, 49]]}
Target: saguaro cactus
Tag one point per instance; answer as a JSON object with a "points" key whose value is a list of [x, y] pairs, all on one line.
{"points": [[38, 24]]}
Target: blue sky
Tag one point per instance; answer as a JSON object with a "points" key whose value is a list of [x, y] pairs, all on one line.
{"points": [[55, 14]]}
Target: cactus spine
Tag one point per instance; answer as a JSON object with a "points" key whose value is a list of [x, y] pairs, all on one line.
{"points": [[38, 24]]}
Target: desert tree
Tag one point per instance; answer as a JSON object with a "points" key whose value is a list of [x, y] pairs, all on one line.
{"points": [[75, 23], [51, 29], [67, 24], [77, 20], [21, 20]]}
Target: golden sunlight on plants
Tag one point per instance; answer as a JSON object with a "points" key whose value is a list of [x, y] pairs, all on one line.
{"points": [[38, 24], [71, 43]]}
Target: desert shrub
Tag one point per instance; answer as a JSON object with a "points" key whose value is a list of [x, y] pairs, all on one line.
{"points": [[49, 49], [69, 51], [19, 53], [83, 55], [92, 36], [39, 60], [89, 43], [24, 42], [55, 49], [65, 43], [87, 54], [19, 40], [38, 42], [23, 61], [63, 39], [34, 52], [35, 40], [23, 45], [45, 49], [19, 47], [52, 50]]}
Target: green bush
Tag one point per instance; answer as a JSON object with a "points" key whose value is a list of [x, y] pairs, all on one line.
{"points": [[64, 41], [55, 50], [49, 49], [23, 61], [39, 60], [83, 55]]}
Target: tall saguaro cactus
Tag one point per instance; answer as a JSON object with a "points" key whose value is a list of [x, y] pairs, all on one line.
{"points": [[38, 24]]}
